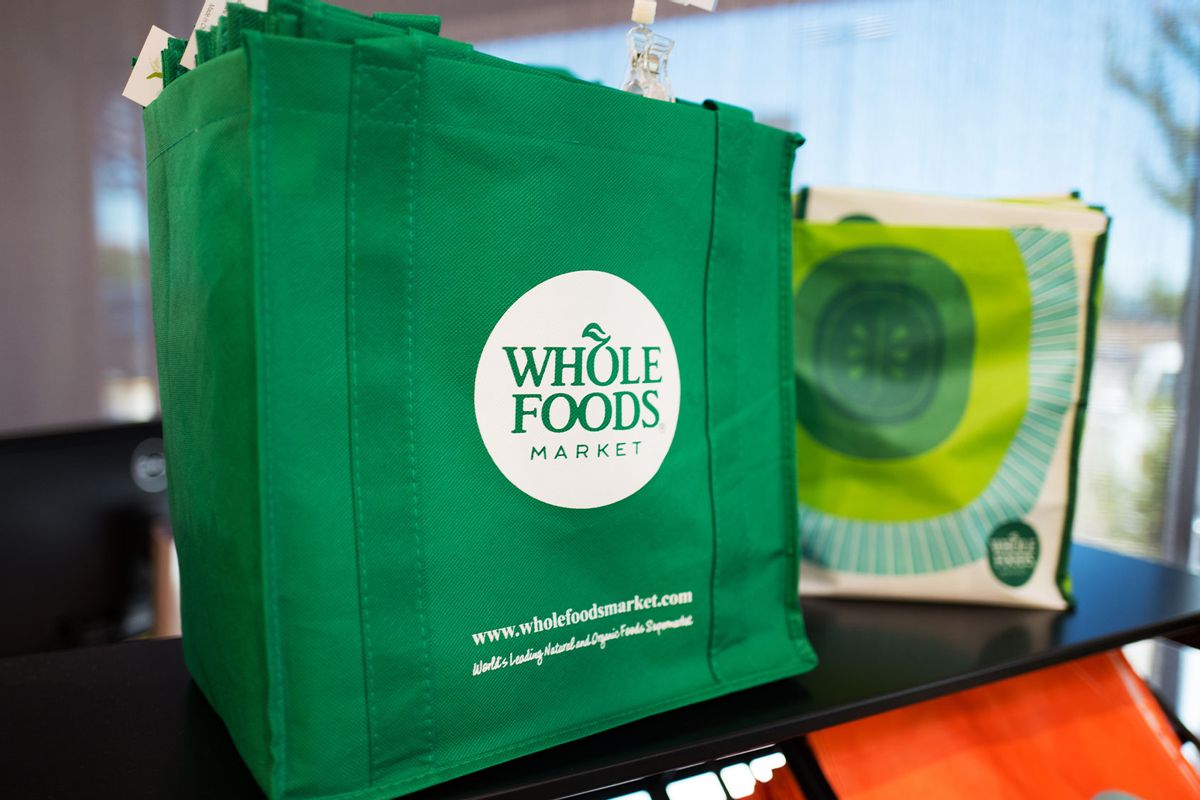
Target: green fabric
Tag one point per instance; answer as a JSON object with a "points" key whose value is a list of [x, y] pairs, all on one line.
{"points": [[336, 229], [171, 68], [306, 19], [206, 44]]}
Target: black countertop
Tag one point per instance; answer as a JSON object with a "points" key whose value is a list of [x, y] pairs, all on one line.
{"points": [[126, 720]]}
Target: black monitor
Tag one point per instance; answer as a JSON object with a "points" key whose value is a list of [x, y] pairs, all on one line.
{"points": [[76, 510]]}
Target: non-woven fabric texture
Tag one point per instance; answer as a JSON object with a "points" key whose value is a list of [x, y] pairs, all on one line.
{"points": [[943, 351], [477, 402]]}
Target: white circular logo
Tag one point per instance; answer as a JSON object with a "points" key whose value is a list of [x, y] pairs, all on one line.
{"points": [[577, 391]]}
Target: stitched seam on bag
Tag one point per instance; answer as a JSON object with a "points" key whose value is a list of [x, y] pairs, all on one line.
{"points": [[371, 113], [316, 111], [514, 134], [787, 431], [275, 688], [427, 677], [386, 68], [407, 78], [526, 746], [355, 468], [787, 412], [708, 438], [414, 504], [524, 135], [193, 132], [733, 144], [446, 57], [672, 157]]}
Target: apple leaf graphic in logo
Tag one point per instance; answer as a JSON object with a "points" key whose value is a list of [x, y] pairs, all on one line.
{"points": [[594, 331]]}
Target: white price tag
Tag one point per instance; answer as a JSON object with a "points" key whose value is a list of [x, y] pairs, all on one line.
{"points": [[146, 80]]}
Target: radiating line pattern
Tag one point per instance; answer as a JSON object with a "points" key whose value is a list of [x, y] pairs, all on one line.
{"points": [[938, 543]]}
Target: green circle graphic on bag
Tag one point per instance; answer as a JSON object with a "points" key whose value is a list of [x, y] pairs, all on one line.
{"points": [[913, 459], [889, 370], [1013, 553]]}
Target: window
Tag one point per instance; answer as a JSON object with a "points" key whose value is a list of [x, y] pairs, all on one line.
{"points": [[990, 100]]}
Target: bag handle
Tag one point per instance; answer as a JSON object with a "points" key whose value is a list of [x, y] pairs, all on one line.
{"points": [[385, 105]]}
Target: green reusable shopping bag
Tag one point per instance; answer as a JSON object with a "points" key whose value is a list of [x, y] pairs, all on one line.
{"points": [[941, 374], [477, 401]]}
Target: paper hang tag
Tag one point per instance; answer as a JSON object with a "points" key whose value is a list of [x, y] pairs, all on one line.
{"points": [[146, 80], [210, 14]]}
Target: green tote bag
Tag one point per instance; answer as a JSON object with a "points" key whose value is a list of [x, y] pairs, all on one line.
{"points": [[477, 398]]}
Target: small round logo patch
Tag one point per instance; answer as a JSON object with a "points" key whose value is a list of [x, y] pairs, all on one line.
{"points": [[1013, 553], [577, 391]]}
